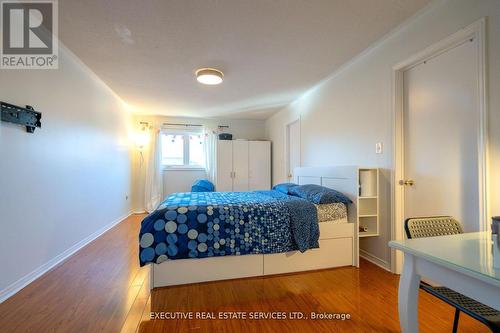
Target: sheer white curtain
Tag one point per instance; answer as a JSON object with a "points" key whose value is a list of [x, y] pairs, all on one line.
{"points": [[211, 153], [153, 189]]}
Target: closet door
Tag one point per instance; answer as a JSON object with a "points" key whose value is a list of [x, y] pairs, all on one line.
{"points": [[224, 166], [240, 166], [259, 164], [441, 133]]}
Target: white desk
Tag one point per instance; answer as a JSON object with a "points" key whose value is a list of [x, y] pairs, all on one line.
{"points": [[462, 262]]}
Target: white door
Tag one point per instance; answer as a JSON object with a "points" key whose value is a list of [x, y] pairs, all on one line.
{"points": [[224, 166], [259, 164], [240, 166], [441, 124], [292, 148]]}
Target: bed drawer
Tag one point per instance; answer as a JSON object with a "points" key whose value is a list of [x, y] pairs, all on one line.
{"points": [[332, 253], [184, 271], [335, 230]]}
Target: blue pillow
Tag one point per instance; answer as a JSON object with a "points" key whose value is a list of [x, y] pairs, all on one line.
{"points": [[202, 185], [319, 194], [284, 187]]}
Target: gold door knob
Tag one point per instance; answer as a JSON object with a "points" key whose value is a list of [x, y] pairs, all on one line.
{"points": [[289, 175], [408, 182]]}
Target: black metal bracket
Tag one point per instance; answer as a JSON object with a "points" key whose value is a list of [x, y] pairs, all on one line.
{"points": [[24, 116]]}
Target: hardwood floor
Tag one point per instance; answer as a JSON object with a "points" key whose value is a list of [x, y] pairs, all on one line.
{"points": [[103, 289]]}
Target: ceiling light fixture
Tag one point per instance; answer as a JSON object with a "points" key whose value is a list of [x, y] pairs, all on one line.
{"points": [[210, 76]]}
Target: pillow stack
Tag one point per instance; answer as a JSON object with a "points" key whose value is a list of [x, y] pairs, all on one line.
{"points": [[314, 193]]}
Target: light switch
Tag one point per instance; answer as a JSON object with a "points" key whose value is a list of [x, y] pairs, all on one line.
{"points": [[378, 148]]}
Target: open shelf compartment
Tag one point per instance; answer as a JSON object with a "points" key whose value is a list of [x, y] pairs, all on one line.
{"points": [[368, 202]]}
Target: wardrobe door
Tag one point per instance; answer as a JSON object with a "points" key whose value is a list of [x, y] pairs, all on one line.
{"points": [[240, 166], [224, 166], [259, 164]]}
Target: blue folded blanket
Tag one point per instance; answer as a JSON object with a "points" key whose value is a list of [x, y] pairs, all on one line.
{"points": [[303, 219], [202, 185]]}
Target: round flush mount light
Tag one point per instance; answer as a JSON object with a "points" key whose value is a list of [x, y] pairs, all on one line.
{"points": [[210, 76]]}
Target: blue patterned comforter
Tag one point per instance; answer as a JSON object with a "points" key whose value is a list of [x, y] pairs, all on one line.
{"points": [[208, 224]]}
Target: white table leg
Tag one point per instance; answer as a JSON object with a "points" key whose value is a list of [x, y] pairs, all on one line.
{"points": [[408, 296]]}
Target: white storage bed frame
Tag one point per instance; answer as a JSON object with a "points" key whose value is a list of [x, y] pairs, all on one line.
{"points": [[338, 243]]}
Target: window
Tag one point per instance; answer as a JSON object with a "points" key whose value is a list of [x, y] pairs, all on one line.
{"points": [[183, 149]]}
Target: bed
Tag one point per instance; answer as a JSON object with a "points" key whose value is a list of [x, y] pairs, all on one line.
{"points": [[207, 236]]}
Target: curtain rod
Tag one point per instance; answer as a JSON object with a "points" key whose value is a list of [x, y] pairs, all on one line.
{"points": [[193, 125], [187, 125]]}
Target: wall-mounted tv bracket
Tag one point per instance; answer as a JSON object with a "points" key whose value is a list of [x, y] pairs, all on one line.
{"points": [[24, 116]]}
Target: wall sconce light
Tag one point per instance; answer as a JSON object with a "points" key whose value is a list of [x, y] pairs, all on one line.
{"points": [[141, 137]]}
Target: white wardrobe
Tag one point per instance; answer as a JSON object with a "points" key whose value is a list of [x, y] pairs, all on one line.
{"points": [[243, 165]]}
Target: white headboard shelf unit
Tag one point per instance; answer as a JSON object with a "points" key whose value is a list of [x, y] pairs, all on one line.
{"points": [[360, 184]]}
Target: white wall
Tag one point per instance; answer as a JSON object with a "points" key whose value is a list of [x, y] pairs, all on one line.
{"points": [[70, 178], [181, 180], [343, 117]]}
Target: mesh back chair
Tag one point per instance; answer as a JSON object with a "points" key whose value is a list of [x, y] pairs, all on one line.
{"points": [[447, 225]]}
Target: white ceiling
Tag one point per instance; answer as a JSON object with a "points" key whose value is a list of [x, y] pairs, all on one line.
{"points": [[270, 51]]}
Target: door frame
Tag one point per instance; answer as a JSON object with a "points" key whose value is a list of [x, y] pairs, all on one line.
{"points": [[474, 31], [287, 147]]}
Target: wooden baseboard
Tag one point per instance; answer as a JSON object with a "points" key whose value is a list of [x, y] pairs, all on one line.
{"points": [[30, 277], [375, 260]]}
